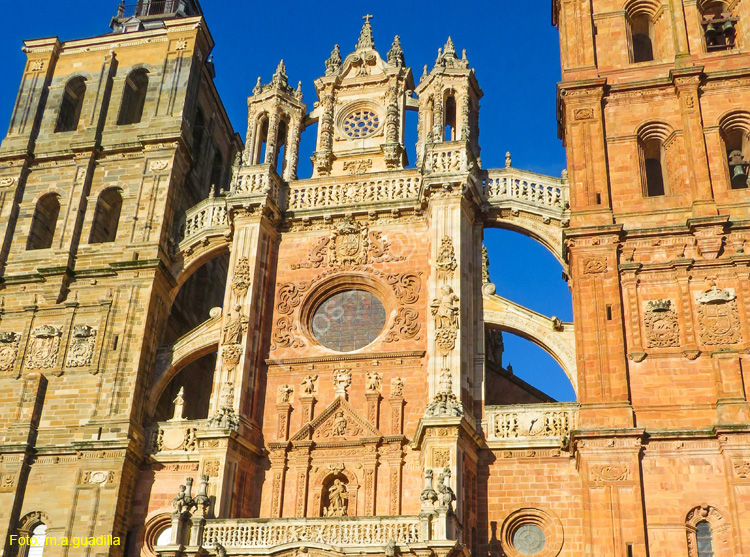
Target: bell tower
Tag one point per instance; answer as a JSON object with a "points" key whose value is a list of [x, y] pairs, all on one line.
{"points": [[448, 103], [361, 107]]}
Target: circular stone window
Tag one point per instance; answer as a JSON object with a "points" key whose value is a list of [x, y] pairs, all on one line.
{"points": [[361, 123], [528, 539], [348, 320], [532, 532]]}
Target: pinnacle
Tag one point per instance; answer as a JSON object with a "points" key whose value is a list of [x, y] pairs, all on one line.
{"points": [[365, 35]]}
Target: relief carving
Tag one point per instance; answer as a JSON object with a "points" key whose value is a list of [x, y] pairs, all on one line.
{"points": [[309, 385], [406, 286], [349, 244], [241, 280], [358, 167], [8, 350], [446, 260], [285, 393], [662, 327], [397, 387], [742, 469], [81, 347], [609, 472], [374, 382], [405, 326], [290, 295], [718, 317], [286, 334], [595, 265], [315, 256], [43, 347]]}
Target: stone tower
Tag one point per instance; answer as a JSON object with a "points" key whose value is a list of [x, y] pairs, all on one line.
{"points": [[653, 113], [111, 138]]}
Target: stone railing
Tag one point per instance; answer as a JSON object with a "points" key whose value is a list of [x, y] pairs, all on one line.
{"points": [[342, 532], [258, 179], [448, 157], [207, 218], [354, 191], [178, 436], [528, 424], [538, 190]]}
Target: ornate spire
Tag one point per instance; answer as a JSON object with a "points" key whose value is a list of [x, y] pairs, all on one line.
{"points": [[447, 57], [396, 53], [333, 64], [279, 77], [365, 36]]}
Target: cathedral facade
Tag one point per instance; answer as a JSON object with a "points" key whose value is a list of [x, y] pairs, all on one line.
{"points": [[203, 354]]}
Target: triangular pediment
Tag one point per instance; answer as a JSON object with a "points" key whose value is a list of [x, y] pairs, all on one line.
{"points": [[338, 422]]}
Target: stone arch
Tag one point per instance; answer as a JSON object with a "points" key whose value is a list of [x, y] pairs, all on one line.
{"points": [[171, 360], [548, 234], [720, 529], [555, 337], [319, 483], [197, 257]]}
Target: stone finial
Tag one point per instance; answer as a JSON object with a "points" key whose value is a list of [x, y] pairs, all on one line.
{"points": [[179, 405], [396, 53], [449, 49], [298, 92], [425, 72], [258, 87], [365, 35], [507, 159], [279, 76], [333, 64], [428, 494]]}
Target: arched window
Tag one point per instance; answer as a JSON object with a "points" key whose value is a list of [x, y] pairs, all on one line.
{"points": [[261, 141], [43, 223], [280, 162], [450, 119], [719, 26], [652, 138], [703, 538], [38, 539], [735, 134], [133, 98], [72, 103], [653, 167], [106, 217], [641, 33]]}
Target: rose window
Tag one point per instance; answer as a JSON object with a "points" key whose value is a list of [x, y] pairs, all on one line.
{"points": [[361, 123], [528, 539], [348, 320]]}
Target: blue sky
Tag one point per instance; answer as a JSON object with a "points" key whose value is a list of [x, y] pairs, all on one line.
{"points": [[517, 65]]}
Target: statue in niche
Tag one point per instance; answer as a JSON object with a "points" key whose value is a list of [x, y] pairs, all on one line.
{"points": [[338, 499]]}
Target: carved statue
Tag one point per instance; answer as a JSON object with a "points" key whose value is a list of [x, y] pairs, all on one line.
{"points": [[444, 310], [285, 393], [342, 378], [446, 493], [179, 405], [339, 424], [234, 328], [308, 384], [374, 381], [338, 499], [397, 386]]}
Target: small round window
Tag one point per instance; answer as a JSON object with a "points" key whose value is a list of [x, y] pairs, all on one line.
{"points": [[361, 123], [528, 539], [348, 320]]}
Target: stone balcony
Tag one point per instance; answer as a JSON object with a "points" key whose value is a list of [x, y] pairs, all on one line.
{"points": [[390, 535], [530, 425]]}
